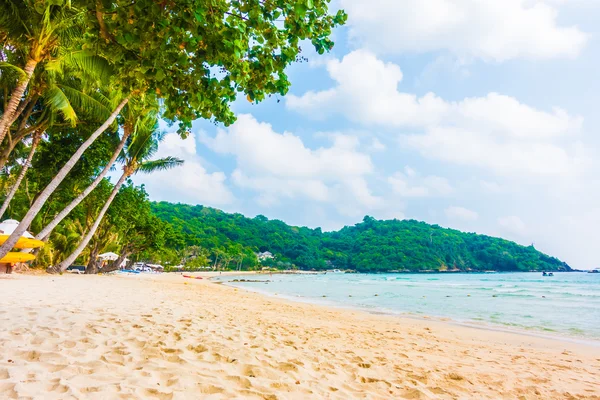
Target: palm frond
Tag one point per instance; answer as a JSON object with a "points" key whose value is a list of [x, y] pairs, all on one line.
{"points": [[162, 164], [144, 140], [55, 67], [92, 66], [8, 66], [56, 99], [86, 103]]}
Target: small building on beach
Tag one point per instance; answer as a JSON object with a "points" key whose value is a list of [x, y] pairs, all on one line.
{"points": [[267, 255]]}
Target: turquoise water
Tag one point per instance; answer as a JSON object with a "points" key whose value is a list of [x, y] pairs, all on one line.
{"points": [[566, 304]]}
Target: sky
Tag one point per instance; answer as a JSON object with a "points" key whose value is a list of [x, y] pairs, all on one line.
{"points": [[479, 115]]}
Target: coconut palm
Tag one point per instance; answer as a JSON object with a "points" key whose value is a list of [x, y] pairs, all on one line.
{"points": [[60, 176], [62, 89], [35, 40], [141, 146], [61, 96], [36, 139], [33, 32]]}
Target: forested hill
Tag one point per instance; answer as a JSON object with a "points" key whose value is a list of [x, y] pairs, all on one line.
{"points": [[369, 246]]}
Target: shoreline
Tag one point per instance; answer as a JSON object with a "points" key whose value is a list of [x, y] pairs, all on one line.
{"points": [[484, 326], [164, 336]]}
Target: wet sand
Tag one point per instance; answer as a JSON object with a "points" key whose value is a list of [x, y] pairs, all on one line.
{"points": [[169, 337]]}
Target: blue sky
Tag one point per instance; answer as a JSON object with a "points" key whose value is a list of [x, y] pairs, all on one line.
{"points": [[478, 115]]}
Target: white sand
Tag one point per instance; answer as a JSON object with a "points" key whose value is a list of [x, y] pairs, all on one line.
{"points": [[168, 337]]}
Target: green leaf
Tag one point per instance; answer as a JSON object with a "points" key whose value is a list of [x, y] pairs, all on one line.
{"points": [[309, 4], [300, 9], [56, 99], [13, 68]]}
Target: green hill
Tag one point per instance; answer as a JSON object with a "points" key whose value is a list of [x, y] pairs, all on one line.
{"points": [[369, 246]]}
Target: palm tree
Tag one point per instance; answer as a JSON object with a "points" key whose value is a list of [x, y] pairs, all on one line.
{"points": [[64, 87], [141, 146], [86, 74], [34, 33], [36, 139], [60, 176], [217, 252], [50, 95]]}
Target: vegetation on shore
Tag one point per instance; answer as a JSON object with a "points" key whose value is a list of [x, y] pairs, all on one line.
{"points": [[369, 246], [84, 83]]}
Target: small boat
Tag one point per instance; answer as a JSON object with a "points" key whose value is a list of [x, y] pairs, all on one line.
{"points": [[544, 273], [192, 277], [551, 274]]}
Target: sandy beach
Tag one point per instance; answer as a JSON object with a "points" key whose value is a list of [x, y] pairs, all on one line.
{"points": [[169, 337]]}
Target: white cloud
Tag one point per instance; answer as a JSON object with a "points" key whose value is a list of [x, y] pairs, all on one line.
{"points": [[279, 165], [409, 184], [461, 213], [491, 187], [272, 188], [376, 145], [488, 29], [258, 148], [505, 157], [367, 92], [512, 224], [495, 131], [189, 183]]}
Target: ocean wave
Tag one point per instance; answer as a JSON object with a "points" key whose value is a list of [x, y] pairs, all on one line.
{"points": [[517, 295]]}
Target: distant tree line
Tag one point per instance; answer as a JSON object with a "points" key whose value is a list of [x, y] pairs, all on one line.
{"points": [[369, 246]]}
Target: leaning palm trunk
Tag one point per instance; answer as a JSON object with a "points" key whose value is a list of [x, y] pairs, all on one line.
{"points": [[61, 215], [25, 109], [45, 194], [11, 108], [13, 190], [88, 236], [216, 259]]}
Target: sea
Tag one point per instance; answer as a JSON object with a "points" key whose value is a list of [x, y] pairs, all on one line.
{"points": [[566, 304]]}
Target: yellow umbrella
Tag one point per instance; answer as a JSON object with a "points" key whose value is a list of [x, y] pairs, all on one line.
{"points": [[24, 242], [11, 258]]}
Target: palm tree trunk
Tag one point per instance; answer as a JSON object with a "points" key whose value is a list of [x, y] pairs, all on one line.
{"points": [[47, 192], [9, 113], [27, 107], [10, 146], [11, 194], [12, 142], [61, 215], [92, 266], [88, 236]]}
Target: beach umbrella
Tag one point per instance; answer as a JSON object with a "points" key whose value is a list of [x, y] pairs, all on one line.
{"points": [[26, 241], [110, 256]]}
